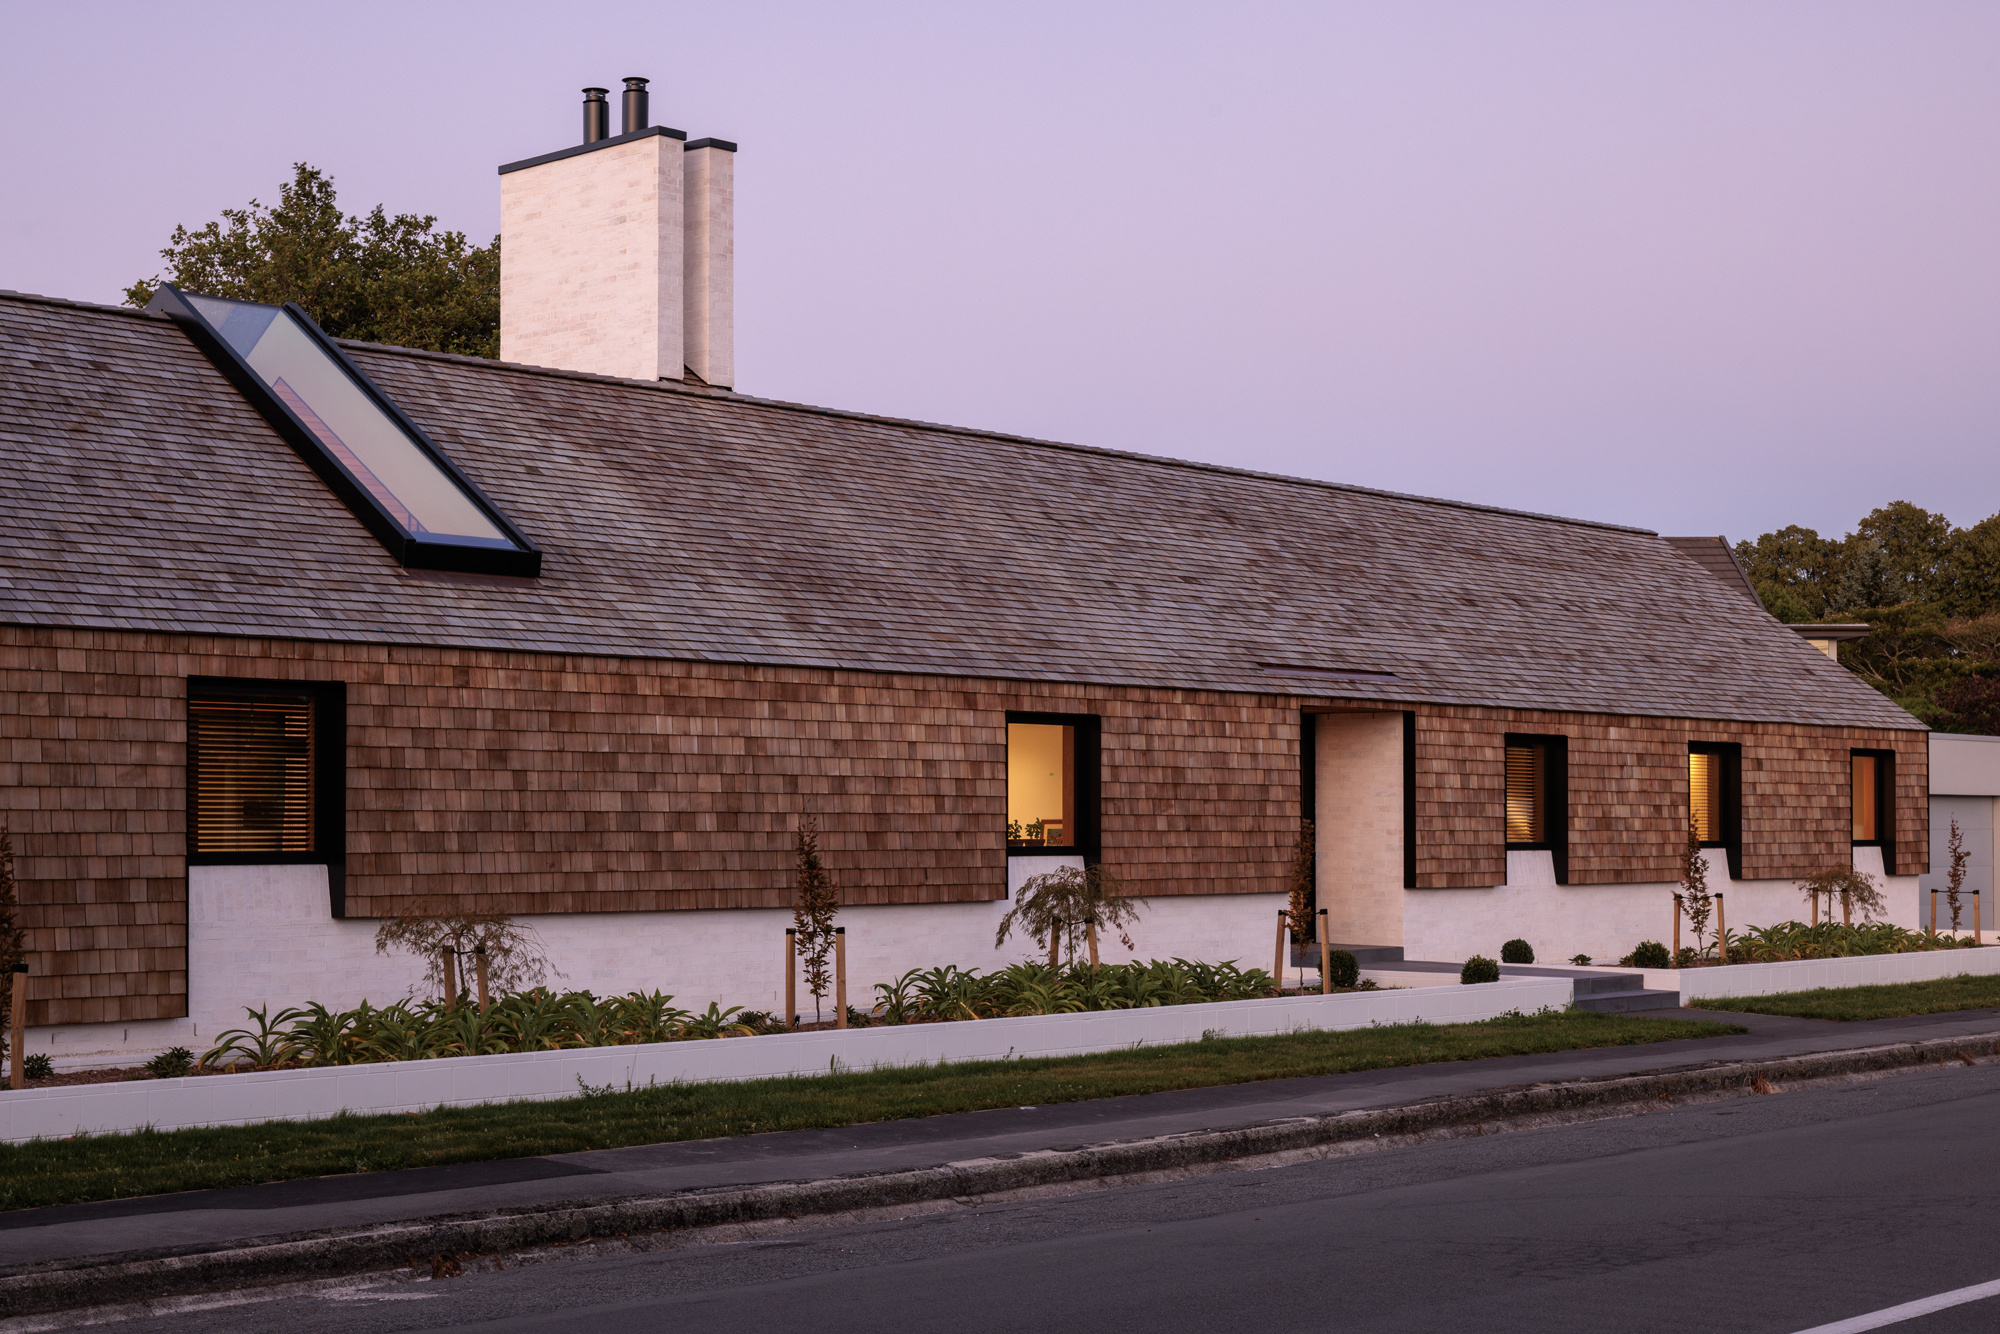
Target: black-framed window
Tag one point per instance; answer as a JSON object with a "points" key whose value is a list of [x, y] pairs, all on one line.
{"points": [[398, 483], [1872, 783], [1715, 798], [1052, 784], [1538, 797], [267, 774]]}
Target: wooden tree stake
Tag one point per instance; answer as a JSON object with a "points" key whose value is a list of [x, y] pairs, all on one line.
{"points": [[1675, 961], [1090, 934], [1055, 941], [791, 977], [17, 1004], [1975, 919], [840, 977], [479, 967], [1278, 960], [1325, 957], [1933, 912], [450, 975], [1721, 930], [1847, 909]]}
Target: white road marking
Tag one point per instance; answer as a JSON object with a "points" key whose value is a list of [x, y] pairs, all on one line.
{"points": [[1896, 1315]]}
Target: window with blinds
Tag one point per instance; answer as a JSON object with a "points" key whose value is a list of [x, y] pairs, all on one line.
{"points": [[250, 774], [1867, 799], [1705, 795], [1527, 794]]}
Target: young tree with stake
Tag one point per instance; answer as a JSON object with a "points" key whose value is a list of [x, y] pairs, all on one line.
{"points": [[815, 900]]}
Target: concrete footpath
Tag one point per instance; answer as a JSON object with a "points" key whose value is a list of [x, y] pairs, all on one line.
{"points": [[159, 1228]]}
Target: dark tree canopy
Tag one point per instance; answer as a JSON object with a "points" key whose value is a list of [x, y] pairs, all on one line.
{"points": [[376, 279], [1931, 592]]}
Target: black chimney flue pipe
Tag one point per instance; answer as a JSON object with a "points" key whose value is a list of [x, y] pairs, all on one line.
{"points": [[636, 117], [596, 115]]}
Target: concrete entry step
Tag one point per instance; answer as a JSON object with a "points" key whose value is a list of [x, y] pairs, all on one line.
{"points": [[1373, 956], [1620, 1002]]}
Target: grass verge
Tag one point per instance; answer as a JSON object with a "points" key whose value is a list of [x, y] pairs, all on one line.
{"points": [[1894, 1000], [102, 1167]]}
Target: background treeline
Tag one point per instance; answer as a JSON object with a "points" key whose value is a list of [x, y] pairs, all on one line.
{"points": [[1931, 592], [377, 279]]}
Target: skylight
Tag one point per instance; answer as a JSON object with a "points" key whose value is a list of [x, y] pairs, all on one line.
{"points": [[397, 482]]}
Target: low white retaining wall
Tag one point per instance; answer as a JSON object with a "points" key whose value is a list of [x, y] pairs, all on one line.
{"points": [[1768, 979], [403, 1086]]}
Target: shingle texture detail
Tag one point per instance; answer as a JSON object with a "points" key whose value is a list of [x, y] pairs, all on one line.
{"points": [[1713, 554], [143, 493]]}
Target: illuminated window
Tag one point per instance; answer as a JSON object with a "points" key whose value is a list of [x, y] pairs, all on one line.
{"points": [[1715, 798], [1705, 794], [1051, 783], [1870, 791], [1538, 798], [1527, 794]]}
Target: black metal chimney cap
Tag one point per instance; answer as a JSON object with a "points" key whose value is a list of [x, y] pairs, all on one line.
{"points": [[636, 112], [596, 115]]}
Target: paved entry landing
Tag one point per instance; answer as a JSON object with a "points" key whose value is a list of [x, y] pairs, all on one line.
{"points": [[1599, 989]]}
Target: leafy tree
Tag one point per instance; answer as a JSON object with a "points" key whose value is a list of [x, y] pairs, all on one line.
{"points": [[1969, 583], [1911, 546], [1969, 704], [375, 279], [1797, 560]]}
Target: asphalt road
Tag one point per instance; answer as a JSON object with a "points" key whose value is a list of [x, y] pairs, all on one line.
{"points": [[1778, 1213]]}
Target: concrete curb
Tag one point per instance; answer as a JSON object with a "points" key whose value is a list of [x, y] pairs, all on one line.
{"points": [[141, 1275]]}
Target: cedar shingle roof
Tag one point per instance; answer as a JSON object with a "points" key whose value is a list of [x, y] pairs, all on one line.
{"points": [[140, 491]]}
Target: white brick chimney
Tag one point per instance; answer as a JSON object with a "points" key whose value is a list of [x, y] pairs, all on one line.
{"points": [[617, 256]]}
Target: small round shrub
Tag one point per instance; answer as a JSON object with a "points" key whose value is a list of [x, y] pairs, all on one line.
{"points": [[1479, 968], [1650, 954], [171, 1063], [1517, 951], [1342, 968], [37, 1066]]}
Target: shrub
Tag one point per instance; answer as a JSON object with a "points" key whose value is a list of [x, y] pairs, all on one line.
{"points": [[445, 939], [1057, 906], [1517, 951], [1687, 958], [1580, 960], [1479, 968], [37, 1066], [1650, 954], [1342, 968], [171, 1063]]}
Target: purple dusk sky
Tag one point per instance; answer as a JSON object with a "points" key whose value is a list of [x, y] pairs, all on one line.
{"points": [[1701, 267]]}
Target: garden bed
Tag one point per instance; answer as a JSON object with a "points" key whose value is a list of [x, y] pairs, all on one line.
{"points": [[422, 1084], [151, 1163]]}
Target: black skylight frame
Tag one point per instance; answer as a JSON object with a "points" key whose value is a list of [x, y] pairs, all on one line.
{"points": [[408, 548]]}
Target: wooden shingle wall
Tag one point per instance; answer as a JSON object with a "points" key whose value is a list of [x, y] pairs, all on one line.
{"points": [[93, 791], [543, 783], [1628, 795]]}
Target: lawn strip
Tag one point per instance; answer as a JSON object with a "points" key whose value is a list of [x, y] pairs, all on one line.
{"points": [[1894, 1000], [101, 1167]]}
